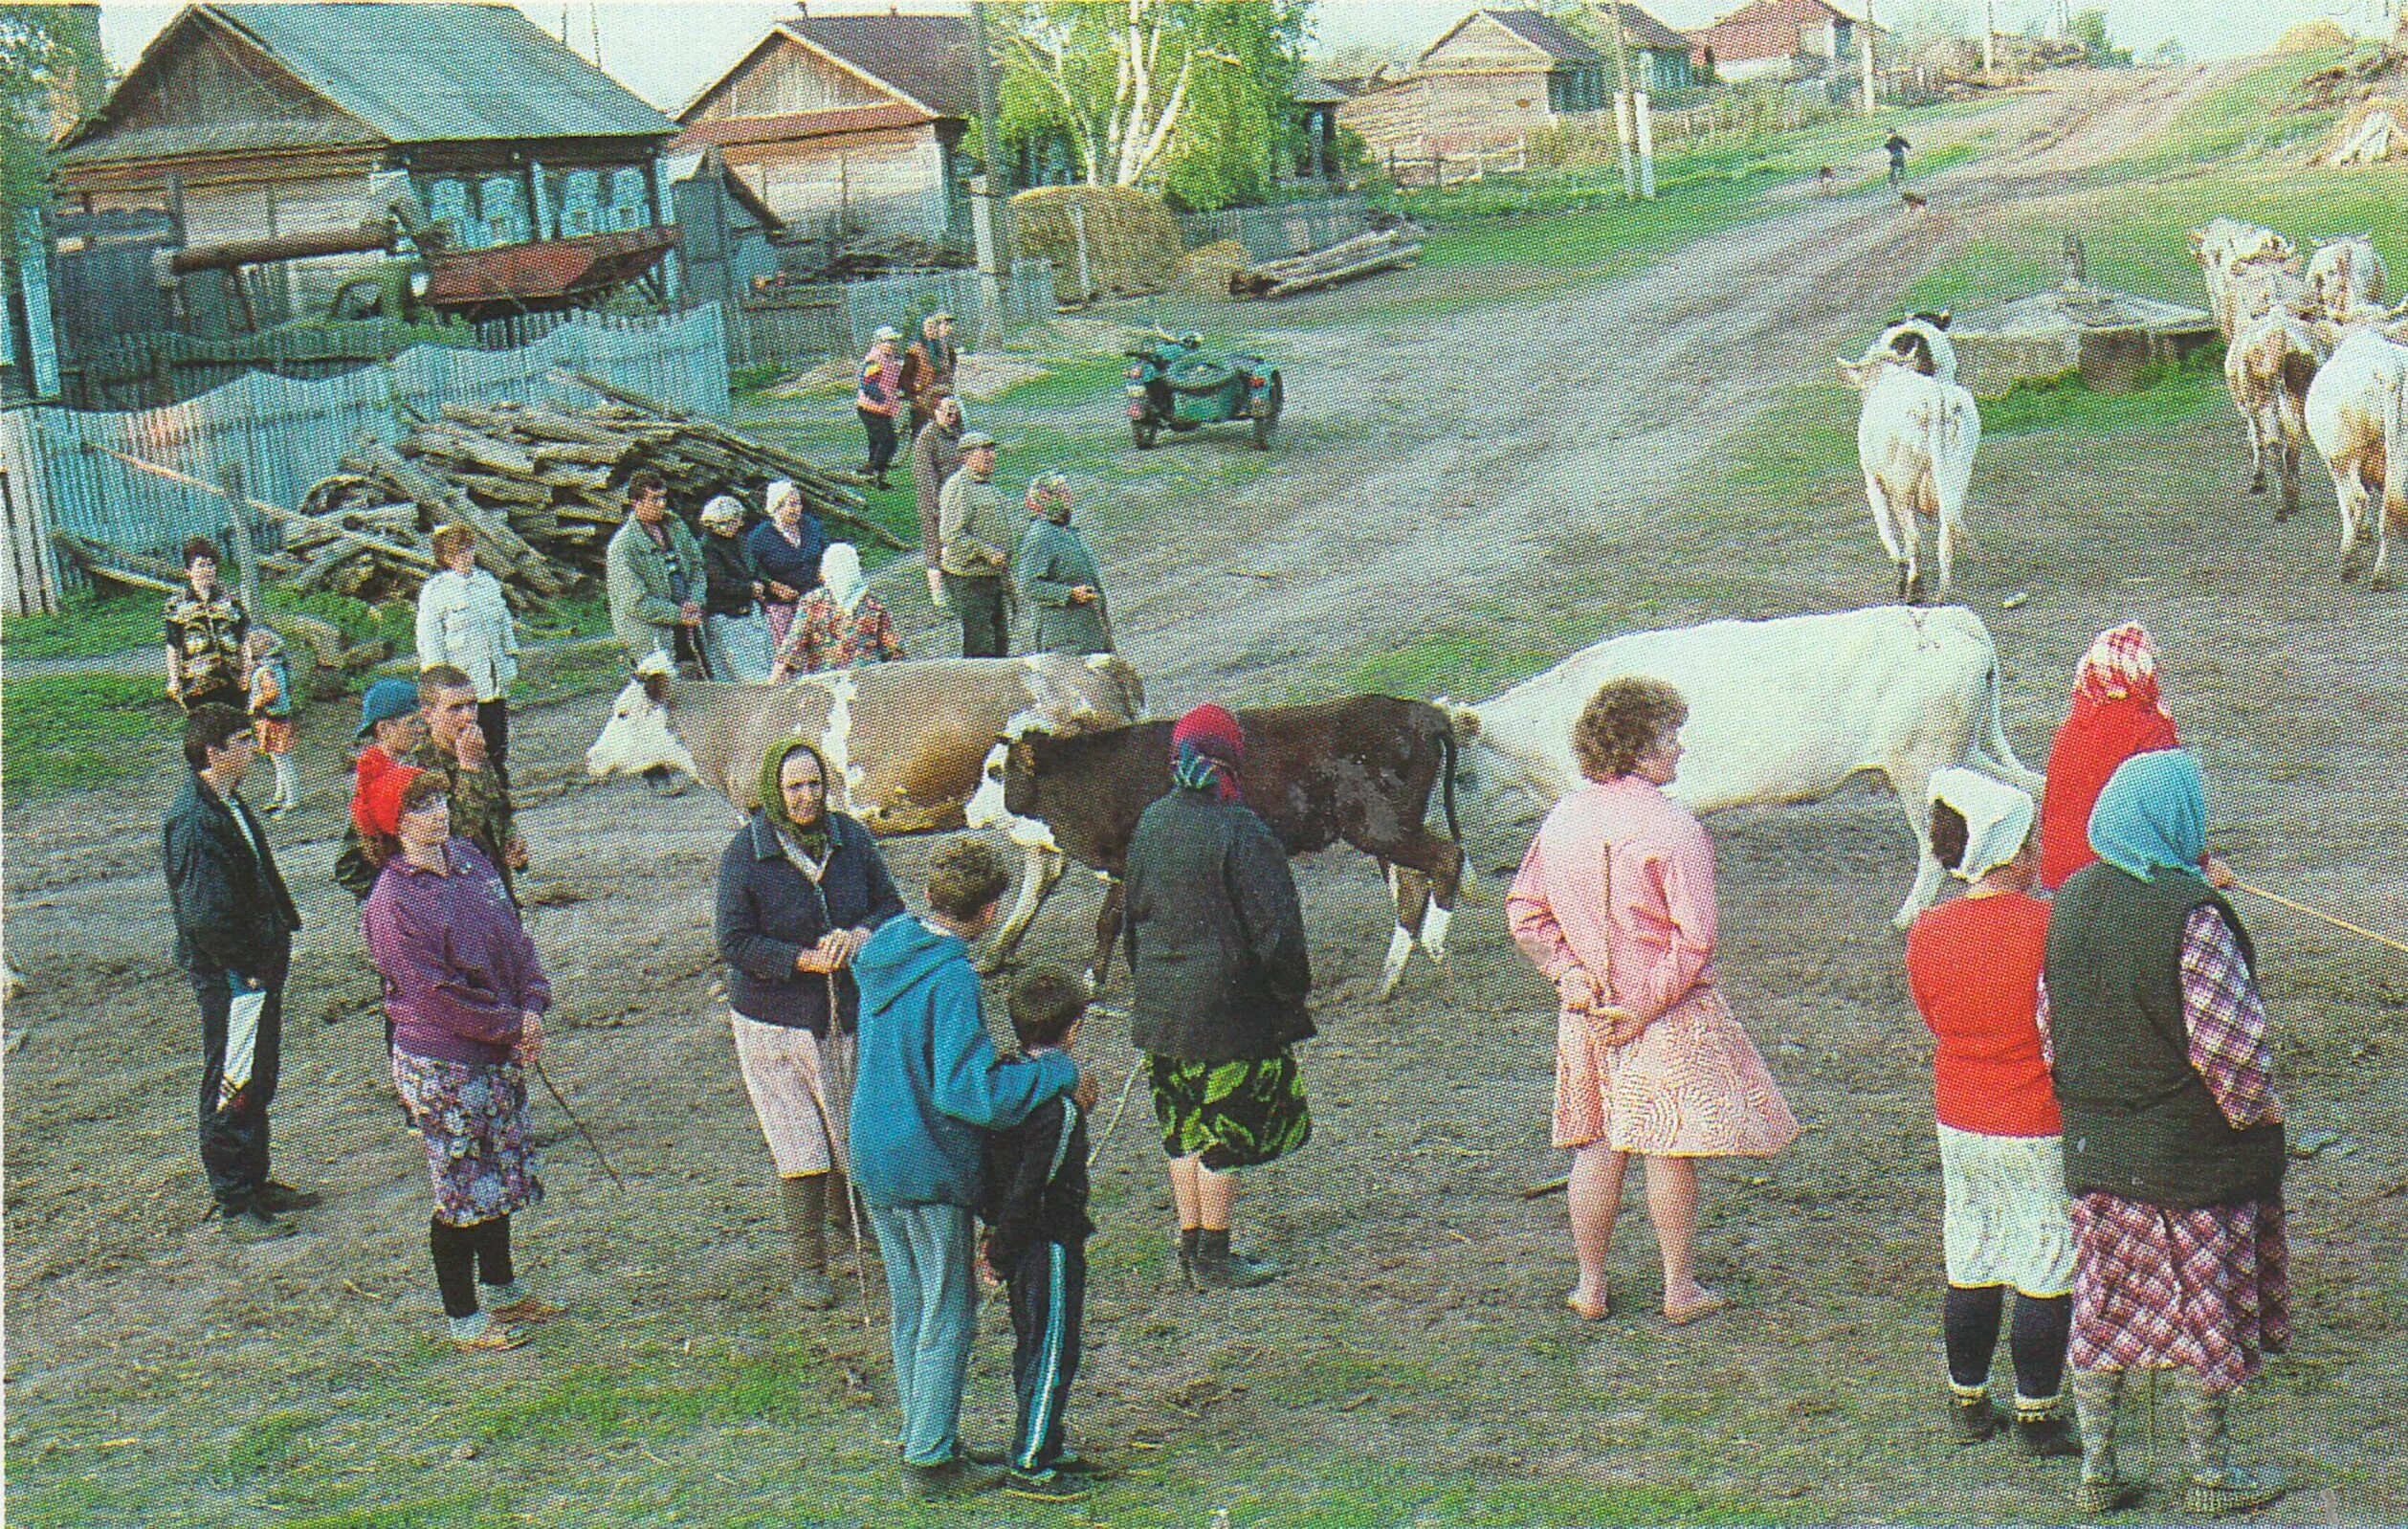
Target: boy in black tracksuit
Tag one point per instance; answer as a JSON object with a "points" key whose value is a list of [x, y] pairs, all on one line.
{"points": [[1034, 1203]]}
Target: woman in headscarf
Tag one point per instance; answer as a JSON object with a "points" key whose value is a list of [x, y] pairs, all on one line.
{"points": [[801, 891], [2173, 1136], [2118, 712], [1615, 905], [732, 589], [840, 623], [785, 549], [1974, 966], [1055, 574], [1215, 935], [465, 994]]}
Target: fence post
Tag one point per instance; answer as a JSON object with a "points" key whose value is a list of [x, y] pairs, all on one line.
{"points": [[246, 555]]}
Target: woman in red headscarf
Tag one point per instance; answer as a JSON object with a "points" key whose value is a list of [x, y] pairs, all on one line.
{"points": [[1216, 949], [2117, 713]]}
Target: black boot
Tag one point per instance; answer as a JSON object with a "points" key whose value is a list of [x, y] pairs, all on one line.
{"points": [[1970, 1418], [2042, 1430], [1187, 1239], [1219, 1266], [805, 1201]]}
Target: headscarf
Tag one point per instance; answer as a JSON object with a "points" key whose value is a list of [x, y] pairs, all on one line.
{"points": [[1049, 496], [779, 491], [1997, 818], [2152, 816], [2122, 661], [723, 510], [840, 571], [1207, 751], [812, 841], [381, 800]]}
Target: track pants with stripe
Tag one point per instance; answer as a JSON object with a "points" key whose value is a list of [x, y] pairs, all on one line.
{"points": [[1048, 1292]]}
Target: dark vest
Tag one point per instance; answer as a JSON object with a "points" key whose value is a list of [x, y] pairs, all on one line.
{"points": [[2139, 1120]]}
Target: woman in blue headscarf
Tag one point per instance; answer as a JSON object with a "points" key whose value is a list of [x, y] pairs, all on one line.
{"points": [[2173, 1134]]}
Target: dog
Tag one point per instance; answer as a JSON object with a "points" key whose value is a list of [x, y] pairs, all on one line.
{"points": [[1829, 181], [1916, 201]]}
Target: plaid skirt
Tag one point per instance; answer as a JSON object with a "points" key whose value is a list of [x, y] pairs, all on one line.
{"points": [[473, 1116], [1235, 1115], [2207, 1291]]}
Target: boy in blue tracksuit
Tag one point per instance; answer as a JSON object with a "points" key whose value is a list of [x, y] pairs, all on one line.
{"points": [[1035, 1209], [928, 1083]]}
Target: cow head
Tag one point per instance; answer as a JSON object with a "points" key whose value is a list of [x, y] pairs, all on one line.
{"points": [[1006, 796], [1915, 343], [639, 735]]}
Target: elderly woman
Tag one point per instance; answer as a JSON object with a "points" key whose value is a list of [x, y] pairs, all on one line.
{"points": [[2117, 711], [1615, 905], [466, 995], [1055, 574], [1215, 934], [738, 635], [1974, 966], [2173, 1136], [801, 891], [785, 549], [840, 623]]}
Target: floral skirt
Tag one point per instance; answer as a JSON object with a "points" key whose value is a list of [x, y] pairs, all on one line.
{"points": [[2007, 1220], [2207, 1291], [473, 1116], [1690, 1086], [1235, 1115]]}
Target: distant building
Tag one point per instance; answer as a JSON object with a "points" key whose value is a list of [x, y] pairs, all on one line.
{"points": [[849, 126], [1776, 39], [249, 122]]}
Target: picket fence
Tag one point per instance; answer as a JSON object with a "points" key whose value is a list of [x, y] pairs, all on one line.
{"points": [[805, 324], [1282, 231], [282, 435]]}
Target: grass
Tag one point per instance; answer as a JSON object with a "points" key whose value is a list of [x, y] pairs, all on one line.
{"points": [[82, 732]]}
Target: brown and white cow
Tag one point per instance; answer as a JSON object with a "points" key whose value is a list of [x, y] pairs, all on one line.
{"points": [[1360, 770], [2355, 416], [2268, 368], [2250, 271], [906, 742]]}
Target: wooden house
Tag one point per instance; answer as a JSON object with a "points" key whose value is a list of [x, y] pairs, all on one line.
{"points": [[294, 134], [1777, 39], [849, 126], [1496, 75]]}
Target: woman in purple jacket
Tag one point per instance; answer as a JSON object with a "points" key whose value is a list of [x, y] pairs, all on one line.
{"points": [[465, 992]]}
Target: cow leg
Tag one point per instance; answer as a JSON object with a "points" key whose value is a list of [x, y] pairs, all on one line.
{"points": [[2257, 448], [1899, 559], [1107, 934], [1039, 870], [2290, 482], [1401, 937], [2350, 490]]}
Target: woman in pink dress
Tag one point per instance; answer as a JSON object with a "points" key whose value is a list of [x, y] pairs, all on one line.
{"points": [[1615, 905]]}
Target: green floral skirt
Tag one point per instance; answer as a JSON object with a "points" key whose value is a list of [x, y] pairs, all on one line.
{"points": [[1236, 1115]]}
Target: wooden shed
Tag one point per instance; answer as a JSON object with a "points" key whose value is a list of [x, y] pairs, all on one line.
{"points": [[849, 126], [247, 123]]}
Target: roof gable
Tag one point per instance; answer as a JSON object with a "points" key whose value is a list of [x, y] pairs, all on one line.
{"points": [[1641, 29], [1548, 36], [389, 71], [1485, 39], [925, 60]]}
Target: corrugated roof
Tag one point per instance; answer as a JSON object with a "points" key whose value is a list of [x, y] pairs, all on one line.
{"points": [[789, 126], [926, 58], [1643, 31], [412, 73], [1546, 32]]}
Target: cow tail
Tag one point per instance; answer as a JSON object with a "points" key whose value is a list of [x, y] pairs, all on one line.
{"points": [[2395, 505], [1446, 749], [2298, 373], [2000, 747]]}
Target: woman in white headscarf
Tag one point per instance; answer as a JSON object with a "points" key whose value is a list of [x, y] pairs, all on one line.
{"points": [[840, 623], [785, 549], [1974, 965]]}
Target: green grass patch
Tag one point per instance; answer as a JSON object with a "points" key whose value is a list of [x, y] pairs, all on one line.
{"points": [[85, 627], [2250, 116], [73, 732], [2166, 396]]}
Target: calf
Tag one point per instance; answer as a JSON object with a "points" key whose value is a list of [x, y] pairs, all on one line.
{"points": [[1360, 769], [2353, 410], [2268, 367], [1782, 710], [1915, 441]]}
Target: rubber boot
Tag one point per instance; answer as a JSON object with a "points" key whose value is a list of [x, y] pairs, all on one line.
{"points": [[1219, 1266], [2102, 1489], [2042, 1430], [1970, 1418], [2217, 1485], [1189, 1236], [804, 1200]]}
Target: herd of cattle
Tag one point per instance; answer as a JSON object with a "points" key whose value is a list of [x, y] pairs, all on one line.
{"points": [[1052, 750]]}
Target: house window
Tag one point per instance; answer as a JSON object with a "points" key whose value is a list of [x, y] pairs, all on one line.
{"points": [[628, 199], [581, 203], [502, 202], [447, 202], [1576, 90]]}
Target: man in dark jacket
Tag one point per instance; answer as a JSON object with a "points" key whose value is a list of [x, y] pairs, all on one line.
{"points": [[234, 923], [1215, 934], [935, 456]]}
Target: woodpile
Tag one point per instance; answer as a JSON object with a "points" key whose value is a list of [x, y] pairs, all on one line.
{"points": [[543, 489], [1390, 250]]}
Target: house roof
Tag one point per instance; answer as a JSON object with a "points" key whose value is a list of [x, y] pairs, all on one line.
{"points": [[396, 68], [789, 126], [1643, 31], [1543, 33], [926, 59], [681, 167], [1767, 28], [1312, 91]]}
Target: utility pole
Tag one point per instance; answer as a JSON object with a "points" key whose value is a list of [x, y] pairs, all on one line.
{"points": [[1989, 36], [1622, 101], [1872, 78], [990, 193]]}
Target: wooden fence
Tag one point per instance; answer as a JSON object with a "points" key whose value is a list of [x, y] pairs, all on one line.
{"points": [[1439, 171], [814, 322], [279, 436], [1283, 229]]}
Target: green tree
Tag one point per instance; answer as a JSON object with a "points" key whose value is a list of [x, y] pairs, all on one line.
{"points": [[1188, 94], [51, 76], [2088, 28]]}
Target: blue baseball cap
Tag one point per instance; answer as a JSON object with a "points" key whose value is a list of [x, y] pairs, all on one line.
{"points": [[386, 700]]}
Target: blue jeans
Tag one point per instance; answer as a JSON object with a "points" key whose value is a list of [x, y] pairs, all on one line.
{"points": [[934, 1290]]}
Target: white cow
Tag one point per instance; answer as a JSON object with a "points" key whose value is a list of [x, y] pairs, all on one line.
{"points": [[2344, 275], [2250, 271], [2354, 417], [2268, 367], [1782, 710], [1915, 441]]}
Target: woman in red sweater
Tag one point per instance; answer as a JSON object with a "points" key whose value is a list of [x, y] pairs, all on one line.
{"points": [[1974, 966]]}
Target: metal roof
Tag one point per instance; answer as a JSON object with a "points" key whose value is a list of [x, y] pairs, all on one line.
{"points": [[417, 72]]}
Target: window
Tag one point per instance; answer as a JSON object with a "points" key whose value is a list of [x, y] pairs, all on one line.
{"points": [[502, 201], [581, 211]]}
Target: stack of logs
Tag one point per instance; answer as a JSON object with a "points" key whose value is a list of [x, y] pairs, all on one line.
{"points": [[1391, 248]]}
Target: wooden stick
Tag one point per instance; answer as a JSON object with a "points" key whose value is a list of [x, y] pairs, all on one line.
{"points": [[2339, 923], [274, 511], [1540, 1191]]}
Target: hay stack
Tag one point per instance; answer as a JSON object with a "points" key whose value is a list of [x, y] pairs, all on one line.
{"points": [[1132, 241], [2312, 36], [1205, 272], [2377, 129]]}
